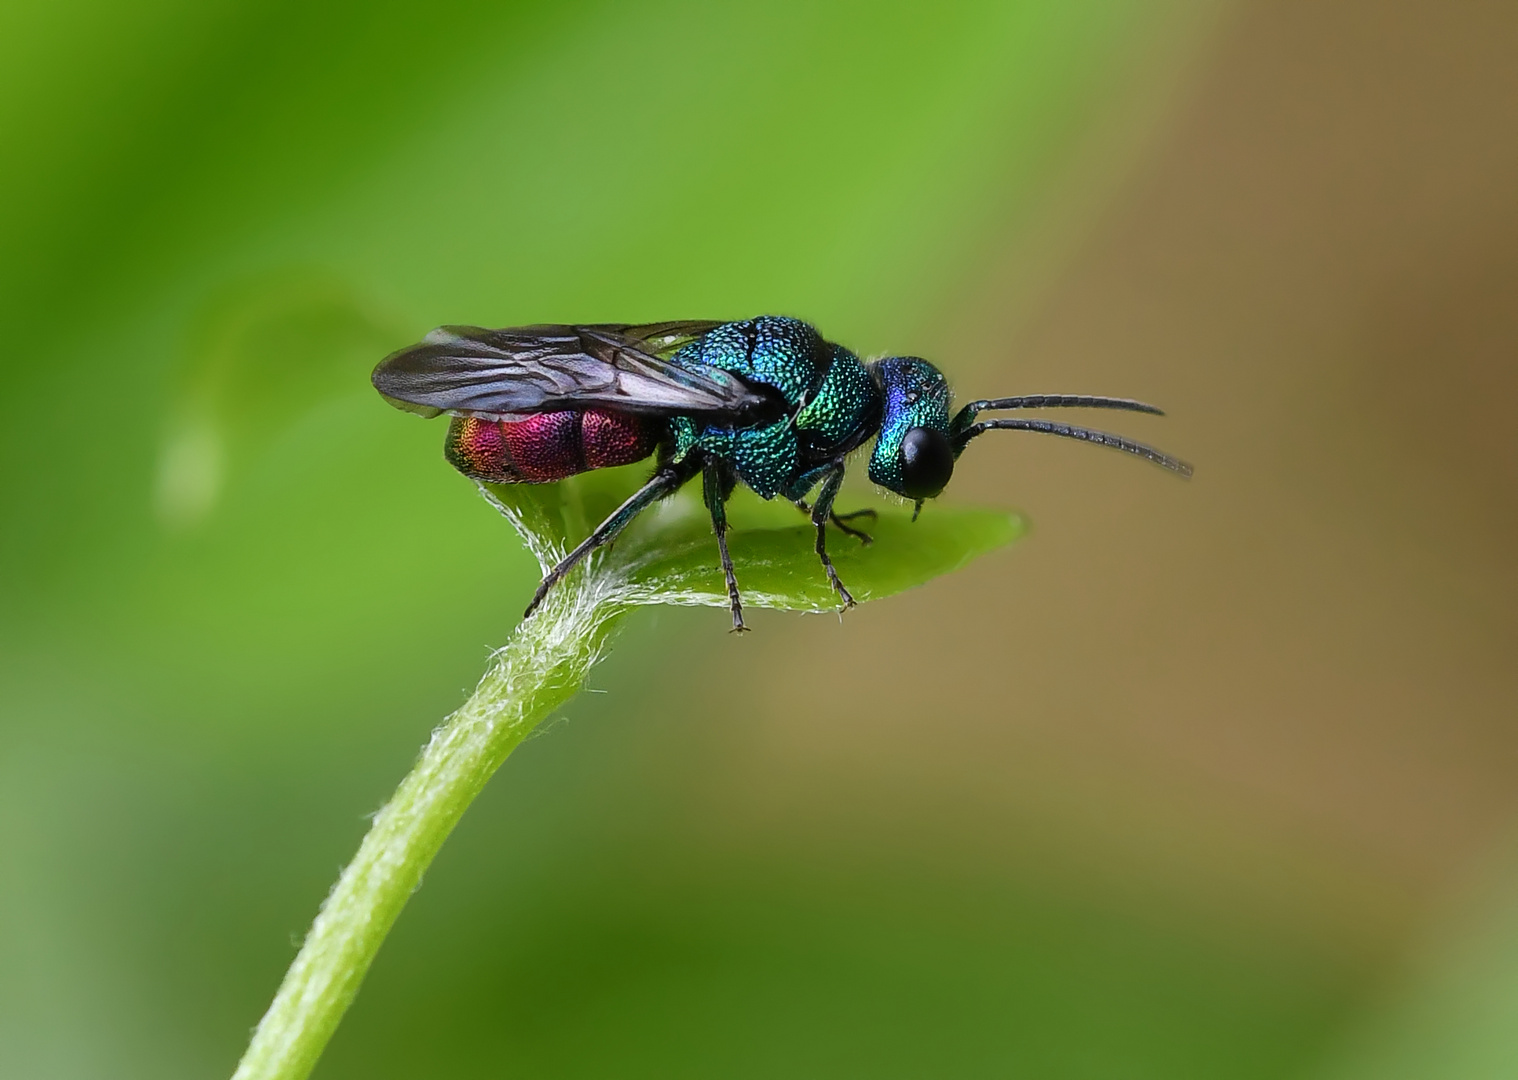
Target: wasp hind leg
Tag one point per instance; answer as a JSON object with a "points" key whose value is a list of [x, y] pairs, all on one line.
{"points": [[664, 482], [822, 512], [716, 485]]}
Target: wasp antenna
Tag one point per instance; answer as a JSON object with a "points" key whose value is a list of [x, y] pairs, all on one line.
{"points": [[1065, 401], [1100, 438]]}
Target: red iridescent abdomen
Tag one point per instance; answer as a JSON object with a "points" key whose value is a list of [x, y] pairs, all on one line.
{"points": [[548, 446]]}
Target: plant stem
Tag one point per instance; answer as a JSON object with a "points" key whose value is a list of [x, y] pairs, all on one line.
{"points": [[541, 667]]}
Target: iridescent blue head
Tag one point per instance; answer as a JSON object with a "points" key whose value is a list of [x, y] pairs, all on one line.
{"points": [[913, 454]]}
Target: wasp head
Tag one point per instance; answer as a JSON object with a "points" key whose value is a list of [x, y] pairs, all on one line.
{"points": [[913, 455]]}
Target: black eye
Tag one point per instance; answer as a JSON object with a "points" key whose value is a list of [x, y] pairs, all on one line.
{"points": [[927, 462]]}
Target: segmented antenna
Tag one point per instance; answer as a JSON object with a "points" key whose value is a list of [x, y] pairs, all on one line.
{"points": [[1062, 401], [1100, 438]]}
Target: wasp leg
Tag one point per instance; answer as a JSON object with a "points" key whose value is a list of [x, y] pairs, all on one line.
{"points": [[664, 482], [839, 519], [716, 484], [822, 510], [859, 534]]}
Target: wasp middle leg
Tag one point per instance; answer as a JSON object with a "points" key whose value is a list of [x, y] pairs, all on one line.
{"points": [[717, 482]]}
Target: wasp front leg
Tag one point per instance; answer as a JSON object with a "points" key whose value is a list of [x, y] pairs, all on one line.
{"points": [[822, 510], [840, 520]]}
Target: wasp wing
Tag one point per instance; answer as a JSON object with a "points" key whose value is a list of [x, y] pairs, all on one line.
{"points": [[517, 371]]}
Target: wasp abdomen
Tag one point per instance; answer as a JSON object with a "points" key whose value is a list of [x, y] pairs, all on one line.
{"points": [[548, 446]]}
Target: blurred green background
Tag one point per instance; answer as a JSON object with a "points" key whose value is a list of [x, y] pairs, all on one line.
{"points": [[1207, 780]]}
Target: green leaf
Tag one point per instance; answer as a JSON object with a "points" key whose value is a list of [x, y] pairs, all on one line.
{"points": [[669, 556], [777, 568]]}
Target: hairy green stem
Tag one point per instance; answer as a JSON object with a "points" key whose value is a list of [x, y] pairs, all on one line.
{"points": [[541, 667]]}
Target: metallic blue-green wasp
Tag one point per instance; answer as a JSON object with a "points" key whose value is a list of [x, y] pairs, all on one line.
{"points": [[766, 401]]}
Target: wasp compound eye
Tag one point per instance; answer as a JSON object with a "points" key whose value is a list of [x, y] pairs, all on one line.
{"points": [[927, 462]]}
